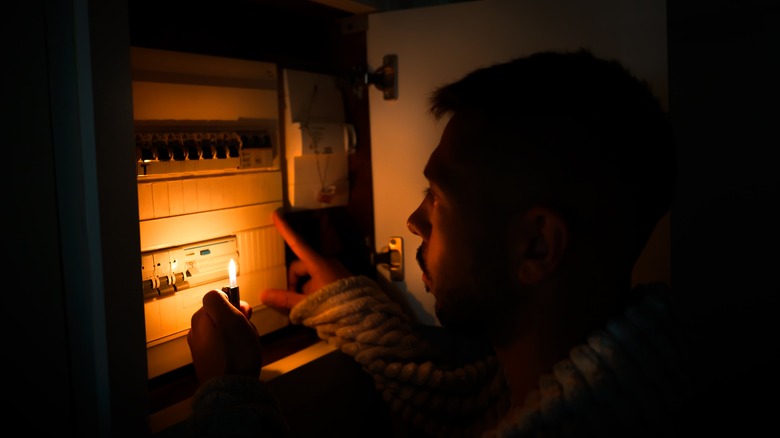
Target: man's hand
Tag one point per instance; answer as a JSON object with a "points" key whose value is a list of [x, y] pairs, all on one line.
{"points": [[316, 269], [222, 340]]}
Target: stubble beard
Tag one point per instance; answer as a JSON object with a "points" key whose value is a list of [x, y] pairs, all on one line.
{"points": [[473, 306]]}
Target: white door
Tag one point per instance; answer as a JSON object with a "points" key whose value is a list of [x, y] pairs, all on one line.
{"points": [[439, 44]]}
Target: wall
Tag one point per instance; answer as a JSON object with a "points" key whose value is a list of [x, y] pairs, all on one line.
{"points": [[433, 49]]}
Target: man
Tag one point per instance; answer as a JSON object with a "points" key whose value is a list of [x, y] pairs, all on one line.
{"points": [[550, 176]]}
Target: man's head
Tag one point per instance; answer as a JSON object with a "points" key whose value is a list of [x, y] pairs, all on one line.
{"points": [[553, 165]]}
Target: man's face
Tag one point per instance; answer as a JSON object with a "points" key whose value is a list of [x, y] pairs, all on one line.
{"points": [[464, 261]]}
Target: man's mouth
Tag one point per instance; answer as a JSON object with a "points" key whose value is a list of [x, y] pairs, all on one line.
{"points": [[420, 258], [426, 279]]}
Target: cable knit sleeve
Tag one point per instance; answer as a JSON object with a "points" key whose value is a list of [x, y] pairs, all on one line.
{"points": [[445, 399], [236, 406], [627, 379]]}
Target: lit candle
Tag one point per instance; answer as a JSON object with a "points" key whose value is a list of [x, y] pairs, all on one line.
{"points": [[232, 290]]}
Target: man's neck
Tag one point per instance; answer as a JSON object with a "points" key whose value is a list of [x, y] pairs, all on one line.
{"points": [[546, 329]]}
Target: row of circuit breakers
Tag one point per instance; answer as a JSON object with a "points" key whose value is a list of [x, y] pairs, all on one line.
{"points": [[201, 145], [165, 272]]}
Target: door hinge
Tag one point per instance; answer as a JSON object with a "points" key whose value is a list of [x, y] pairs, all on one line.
{"points": [[384, 78], [392, 257]]}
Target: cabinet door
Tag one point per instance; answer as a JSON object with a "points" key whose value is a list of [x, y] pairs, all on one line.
{"points": [[439, 44]]}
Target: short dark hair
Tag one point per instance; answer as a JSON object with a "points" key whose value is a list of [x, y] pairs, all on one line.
{"points": [[598, 127]]}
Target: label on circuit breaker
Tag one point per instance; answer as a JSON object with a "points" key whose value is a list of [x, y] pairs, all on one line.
{"points": [[209, 261], [257, 158]]}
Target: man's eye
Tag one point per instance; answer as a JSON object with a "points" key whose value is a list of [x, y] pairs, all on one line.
{"points": [[430, 196]]}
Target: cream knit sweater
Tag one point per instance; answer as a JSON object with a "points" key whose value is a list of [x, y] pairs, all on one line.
{"points": [[625, 381]]}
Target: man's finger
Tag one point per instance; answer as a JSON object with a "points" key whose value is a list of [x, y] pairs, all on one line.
{"points": [[296, 270], [296, 242], [216, 303], [246, 309], [196, 320], [280, 299]]}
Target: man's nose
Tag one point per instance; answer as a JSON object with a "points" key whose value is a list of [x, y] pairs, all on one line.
{"points": [[415, 223], [411, 227]]}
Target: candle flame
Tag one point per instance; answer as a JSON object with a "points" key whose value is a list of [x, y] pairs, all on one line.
{"points": [[232, 273]]}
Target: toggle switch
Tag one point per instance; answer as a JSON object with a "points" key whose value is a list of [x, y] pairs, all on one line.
{"points": [[150, 292], [147, 154], [176, 146], [159, 141], [220, 146], [143, 145], [166, 286], [191, 147], [178, 281], [206, 145], [163, 154], [233, 143]]}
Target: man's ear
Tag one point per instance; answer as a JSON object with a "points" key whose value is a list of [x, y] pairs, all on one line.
{"points": [[548, 238]]}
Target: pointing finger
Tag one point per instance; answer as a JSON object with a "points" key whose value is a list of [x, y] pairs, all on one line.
{"points": [[296, 242], [297, 270], [280, 299]]}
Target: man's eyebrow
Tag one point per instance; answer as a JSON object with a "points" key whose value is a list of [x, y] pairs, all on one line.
{"points": [[431, 172], [439, 175]]}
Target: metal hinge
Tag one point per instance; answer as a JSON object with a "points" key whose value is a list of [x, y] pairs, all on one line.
{"points": [[392, 257], [384, 78]]}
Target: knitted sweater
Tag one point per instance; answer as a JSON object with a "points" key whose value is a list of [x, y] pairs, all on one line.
{"points": [[626, 380]]}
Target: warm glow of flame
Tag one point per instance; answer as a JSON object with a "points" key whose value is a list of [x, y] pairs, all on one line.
{"points": [[232, 273]]}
